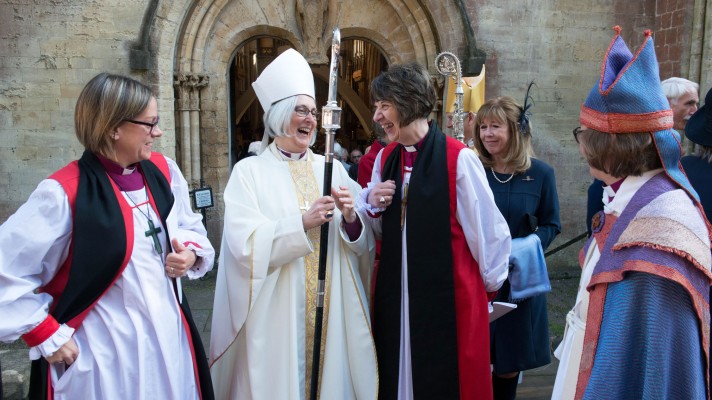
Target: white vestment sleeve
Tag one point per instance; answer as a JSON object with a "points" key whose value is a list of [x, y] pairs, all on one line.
{"points": [[485, 228], [34, 242], [253, 244], [371, 214], [187, 226], [365, 245]]}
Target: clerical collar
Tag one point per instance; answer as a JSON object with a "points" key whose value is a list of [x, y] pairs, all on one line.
{"points": [[411, 153], [613, 187], [128, 179], [292, 156], [415, 147]]}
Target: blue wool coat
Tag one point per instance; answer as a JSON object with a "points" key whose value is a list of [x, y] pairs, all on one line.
{"points": [[648, 313], [530, 204]]}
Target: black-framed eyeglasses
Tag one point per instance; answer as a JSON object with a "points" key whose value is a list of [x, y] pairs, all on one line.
{"points": [[576, 132], [303, 112], [149, 124]]}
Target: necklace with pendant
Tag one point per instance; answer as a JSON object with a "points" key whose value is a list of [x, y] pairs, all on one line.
{"points": [[153, 230], [502, 181]]}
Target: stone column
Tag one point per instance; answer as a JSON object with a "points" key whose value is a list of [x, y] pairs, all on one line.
{"points": [[700, 54], [188, 88]]}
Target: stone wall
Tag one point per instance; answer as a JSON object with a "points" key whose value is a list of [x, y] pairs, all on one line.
{"points": [[673, 36], [560, 46], [49, 50]]}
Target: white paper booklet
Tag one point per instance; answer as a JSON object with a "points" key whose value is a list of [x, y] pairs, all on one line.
{"points": [[499, 308]]}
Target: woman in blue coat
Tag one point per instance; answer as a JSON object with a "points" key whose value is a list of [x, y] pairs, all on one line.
{"points": [[524, 190]]}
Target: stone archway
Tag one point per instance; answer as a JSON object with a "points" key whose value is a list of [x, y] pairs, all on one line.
{"points": [[210, 30]]}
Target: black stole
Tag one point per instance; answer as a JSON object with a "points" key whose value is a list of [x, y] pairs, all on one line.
{"points": [[99, 240], [431, 289]]}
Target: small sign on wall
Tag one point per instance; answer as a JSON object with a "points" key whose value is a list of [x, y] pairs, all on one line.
{"points": [[203, 198]]}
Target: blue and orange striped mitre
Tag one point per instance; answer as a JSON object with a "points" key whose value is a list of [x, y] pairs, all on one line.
{"points": [[628, 98]]}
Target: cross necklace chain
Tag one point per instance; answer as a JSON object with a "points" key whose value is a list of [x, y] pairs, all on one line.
{"points": [[153, 230]]}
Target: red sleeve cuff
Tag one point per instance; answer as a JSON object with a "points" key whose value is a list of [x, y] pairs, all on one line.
{"points": [[374, 215], [41, 332], [196, 245], [491, 295]]}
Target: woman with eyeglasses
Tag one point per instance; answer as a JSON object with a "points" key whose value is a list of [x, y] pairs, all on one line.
{"points": [[524, 189], [639, 328], [263, 330], [92, 262]]}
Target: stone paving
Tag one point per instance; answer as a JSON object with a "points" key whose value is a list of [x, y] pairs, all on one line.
{"points": [[536, 384]]}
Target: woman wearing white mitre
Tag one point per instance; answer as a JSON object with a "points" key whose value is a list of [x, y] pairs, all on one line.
{"points": [[263, 320]]}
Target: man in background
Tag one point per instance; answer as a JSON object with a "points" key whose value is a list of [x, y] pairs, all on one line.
{"points": [[355, 157], [682, 94]]}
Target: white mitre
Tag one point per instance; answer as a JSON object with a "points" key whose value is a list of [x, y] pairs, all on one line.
{"points": [[288, 75]]}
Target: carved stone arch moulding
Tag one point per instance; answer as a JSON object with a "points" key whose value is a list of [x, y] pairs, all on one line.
{"points": [[195, 40], [387, 47], [242, 37]]}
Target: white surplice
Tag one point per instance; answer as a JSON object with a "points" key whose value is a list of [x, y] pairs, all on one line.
{"points": [[258, 336], [570, 349], [486, 233], [133, 343]]}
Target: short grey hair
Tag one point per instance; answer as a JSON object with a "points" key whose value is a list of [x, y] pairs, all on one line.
{"points": [[279, 116], [675, 87]]}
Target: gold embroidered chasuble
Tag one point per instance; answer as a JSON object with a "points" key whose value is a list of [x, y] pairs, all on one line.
{"points": [[307, 190], [262, 332]]}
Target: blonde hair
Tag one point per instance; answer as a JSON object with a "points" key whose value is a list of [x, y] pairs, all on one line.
{"points": [[104, 103], [506, 110]]}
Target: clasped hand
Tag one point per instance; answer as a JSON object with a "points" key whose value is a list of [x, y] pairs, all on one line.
{"points": [[322, 210], [381, 195], [180, 260]]}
